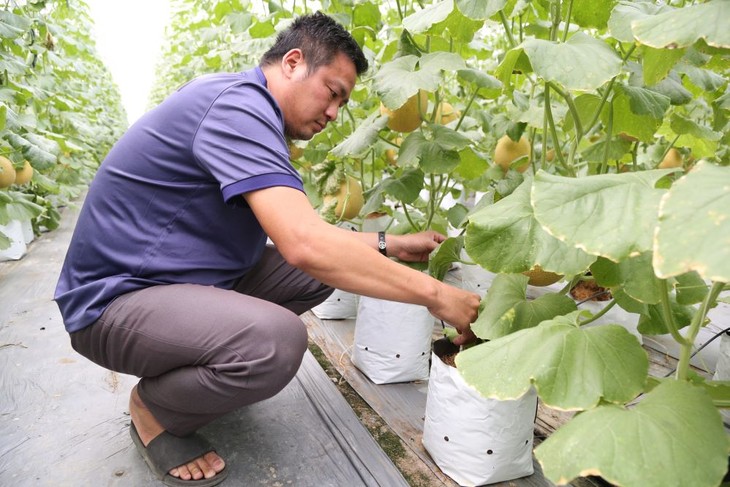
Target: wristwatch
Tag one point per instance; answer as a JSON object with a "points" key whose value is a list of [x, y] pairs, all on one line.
{"points": [[381, 243]]}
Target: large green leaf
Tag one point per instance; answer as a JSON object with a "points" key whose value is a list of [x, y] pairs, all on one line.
{"points": [[589, 13], [673, 437], [656, 63], [683, 27], [514, 61], [406, 187], [13, 26], [652, 321], [634, 275], [480, 9], [506, 237], [611, 215], [19, 207], [572, 368], [362, 139], [581, 63], [422, 20], [625, 13], [694, 225], [401, 78], [447, 253], [627, 121], [505, 308]]}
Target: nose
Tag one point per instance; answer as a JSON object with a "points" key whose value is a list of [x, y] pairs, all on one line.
{"points": [[332, 111]]}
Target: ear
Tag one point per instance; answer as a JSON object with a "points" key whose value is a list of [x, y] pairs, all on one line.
{"points": [[293, 61]]}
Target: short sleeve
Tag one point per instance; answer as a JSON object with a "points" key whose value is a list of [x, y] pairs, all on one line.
{"points": [[240, 142]]}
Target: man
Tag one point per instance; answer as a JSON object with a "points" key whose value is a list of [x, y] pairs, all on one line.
{"points": [[168, 276]]}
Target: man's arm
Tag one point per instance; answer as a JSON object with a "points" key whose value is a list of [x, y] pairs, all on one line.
{"points": [[342, 260]]}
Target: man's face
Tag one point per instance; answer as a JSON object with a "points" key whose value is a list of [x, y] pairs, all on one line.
{"points": [[314, 99]]}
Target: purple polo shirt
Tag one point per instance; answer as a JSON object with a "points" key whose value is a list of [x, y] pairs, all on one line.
{"points": [[165, 205]]}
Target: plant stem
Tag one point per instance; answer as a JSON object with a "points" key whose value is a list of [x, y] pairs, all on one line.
{"points": [[408, 217], [567, 20], [599, 314], [431, 202], [669, 317], [554, 133], [686, 349], [571, 106], [606, 93], [609, 129], [468, 106], [507, 30]]}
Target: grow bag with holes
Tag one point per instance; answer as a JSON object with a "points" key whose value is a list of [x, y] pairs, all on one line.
{"points": [[475, 440], [341, 305], [13, 230], [392, 340], [476, 279]]}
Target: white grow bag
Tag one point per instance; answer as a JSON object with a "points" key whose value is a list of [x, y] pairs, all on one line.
{"points": [[475, 440], [392, 340], [341, 305], [14, 231]]}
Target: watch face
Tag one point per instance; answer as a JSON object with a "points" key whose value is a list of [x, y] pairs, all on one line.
{"points": [[381, 245]]}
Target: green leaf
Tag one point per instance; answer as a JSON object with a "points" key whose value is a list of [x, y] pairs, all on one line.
{"points": [[589, 13], [362, 139], [694, 225], [646, 102], [505, 308], [401, 78], [459, 27], [435, 159], [586, 106], [515, 61], [635, 275], [13, 26], [488, 85], [480, 9], [581, 63], [703, 78], [652, 321], [571, 368], [456, 215], [690, 288], [506, 237], [262, 29], [626, 121], [625, 14], [422, 20], [445, 254], [472, 165], [683, 27], [366, 14], [617, 147], [656, 63], [674, 436], [405, 188], [583, 212]]}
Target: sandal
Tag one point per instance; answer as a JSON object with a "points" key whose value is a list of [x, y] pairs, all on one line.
{"points": [[167, 451]]}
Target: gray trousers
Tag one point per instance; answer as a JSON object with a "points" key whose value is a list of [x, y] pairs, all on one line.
{"points": [[202, 352]]}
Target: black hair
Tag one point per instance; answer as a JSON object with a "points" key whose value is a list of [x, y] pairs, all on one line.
{"points": [[320, 38]]}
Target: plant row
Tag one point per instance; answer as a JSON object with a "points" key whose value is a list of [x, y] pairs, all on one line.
{"points": [[60, 111]]}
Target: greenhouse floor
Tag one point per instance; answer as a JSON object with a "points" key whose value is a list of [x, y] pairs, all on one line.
{"points": [[64, 420]]}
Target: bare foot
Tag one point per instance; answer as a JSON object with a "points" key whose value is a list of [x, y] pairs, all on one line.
{"points": [[148, 428]]}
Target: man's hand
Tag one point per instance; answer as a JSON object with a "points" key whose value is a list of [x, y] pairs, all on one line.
{"points": [[414, 247], [459, 308]]}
